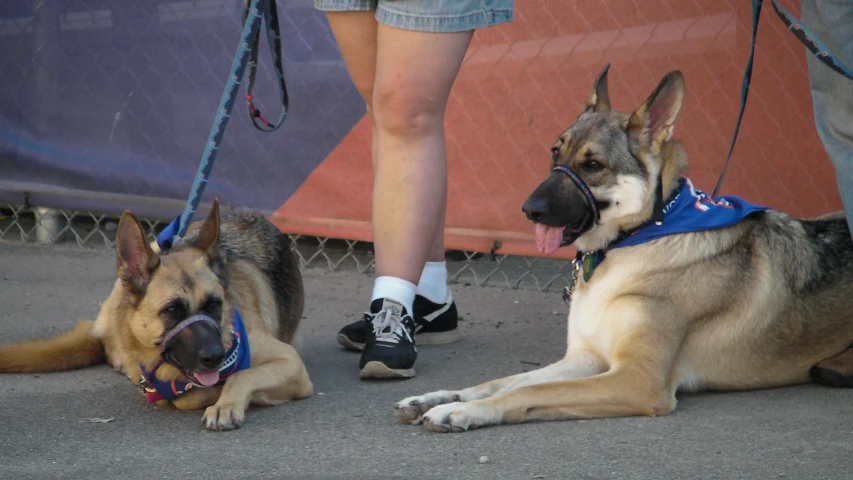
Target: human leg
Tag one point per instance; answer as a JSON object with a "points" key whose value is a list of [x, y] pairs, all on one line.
{"points": [[434, 309], [832, 94], [832, 103], [415, 72], [407, 103]]}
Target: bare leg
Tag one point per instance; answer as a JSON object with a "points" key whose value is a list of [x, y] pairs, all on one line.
{"points": [[405, 76], [357, 34], [415, 72]]}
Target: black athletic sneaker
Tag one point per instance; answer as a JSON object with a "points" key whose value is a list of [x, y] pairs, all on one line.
{"points": [[435, 324], [389, 351]]}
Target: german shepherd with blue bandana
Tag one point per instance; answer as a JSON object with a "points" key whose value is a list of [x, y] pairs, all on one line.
{"points": [[674, 290], [207, 324]]}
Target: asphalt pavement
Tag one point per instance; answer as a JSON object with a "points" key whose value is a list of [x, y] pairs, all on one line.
{"points": [[348, 429]]}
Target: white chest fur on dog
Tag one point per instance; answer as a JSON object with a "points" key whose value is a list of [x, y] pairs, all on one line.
{"points": [[592, 323]]}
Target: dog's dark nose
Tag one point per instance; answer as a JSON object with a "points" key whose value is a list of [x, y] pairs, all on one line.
{"points": [[211, 356], [535, 208]]}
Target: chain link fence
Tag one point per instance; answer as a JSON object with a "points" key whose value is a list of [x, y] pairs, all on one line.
{"points": [[116, 99], [36, 225]]}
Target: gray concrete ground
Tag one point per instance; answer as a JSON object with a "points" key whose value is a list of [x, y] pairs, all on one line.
{"points": [[348, 429]]}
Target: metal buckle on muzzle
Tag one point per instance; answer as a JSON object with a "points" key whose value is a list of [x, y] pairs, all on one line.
{"points": [[171, 334], [582, 186]]}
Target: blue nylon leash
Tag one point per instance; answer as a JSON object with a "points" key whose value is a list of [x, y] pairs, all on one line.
{"points": [[804, 35], [247, 51], [274, 40]]}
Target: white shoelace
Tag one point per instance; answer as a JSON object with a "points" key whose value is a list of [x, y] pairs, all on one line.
{"points": [[386, 318]]}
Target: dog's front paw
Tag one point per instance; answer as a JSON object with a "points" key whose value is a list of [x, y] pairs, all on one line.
{"points": [[223, 417], [410, 410], [456, 417]]}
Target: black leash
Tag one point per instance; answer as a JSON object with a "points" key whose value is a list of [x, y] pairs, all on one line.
{"points": [[804, 35]]}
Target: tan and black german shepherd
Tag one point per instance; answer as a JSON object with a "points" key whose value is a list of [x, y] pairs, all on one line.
{"points": [[170, 323], [766, 301]]}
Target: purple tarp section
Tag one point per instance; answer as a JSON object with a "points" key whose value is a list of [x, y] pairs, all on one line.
{"points": [[107, 105]]}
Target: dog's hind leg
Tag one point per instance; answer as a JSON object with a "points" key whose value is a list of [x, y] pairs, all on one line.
{"points": [[576, 364], [277, 375], [835, 371]]}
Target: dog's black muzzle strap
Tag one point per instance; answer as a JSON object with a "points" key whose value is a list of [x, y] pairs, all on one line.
{"points": [[582, 186], [657, 214], [171, 334]]}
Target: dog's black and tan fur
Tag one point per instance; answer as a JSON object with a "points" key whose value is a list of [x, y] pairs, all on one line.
{"points": [[242, 262], [755, 305]]}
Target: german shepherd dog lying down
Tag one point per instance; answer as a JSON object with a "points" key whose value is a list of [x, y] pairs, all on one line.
{"points": [[206, 325], [674, 290]]}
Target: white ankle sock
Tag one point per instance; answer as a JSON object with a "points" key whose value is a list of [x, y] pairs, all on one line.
{"points": [[433, 282], [396, 289]]}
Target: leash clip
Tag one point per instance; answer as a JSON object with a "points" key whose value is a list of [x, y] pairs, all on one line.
{"points": [[567, 290]]}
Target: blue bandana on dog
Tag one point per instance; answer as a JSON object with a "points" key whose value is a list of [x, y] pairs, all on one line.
{"points": [[692, 210], [237, 357]]}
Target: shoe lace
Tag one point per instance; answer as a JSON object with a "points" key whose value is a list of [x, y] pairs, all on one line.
{"points": [[388, 326]]}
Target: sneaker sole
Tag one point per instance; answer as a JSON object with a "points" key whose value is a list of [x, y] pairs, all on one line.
{"points": [[424, 338], [380, 370]]}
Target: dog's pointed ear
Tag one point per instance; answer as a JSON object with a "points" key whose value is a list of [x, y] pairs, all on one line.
{"points": [[599, 99], [653, 123], [135, 260], [208, 234]]}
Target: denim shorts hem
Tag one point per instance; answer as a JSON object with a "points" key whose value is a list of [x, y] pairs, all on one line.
{"points": [[422, 18], [348, 6], [442, 24]]}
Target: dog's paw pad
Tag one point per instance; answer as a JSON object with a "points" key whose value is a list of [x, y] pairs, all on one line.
{"points": [[448, 418], [410, 415], [445, 426], [221, 418], [411, 409], [437, 427]]}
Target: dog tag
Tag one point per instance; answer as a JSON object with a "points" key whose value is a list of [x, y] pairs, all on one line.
{"points": [[588, 265]]}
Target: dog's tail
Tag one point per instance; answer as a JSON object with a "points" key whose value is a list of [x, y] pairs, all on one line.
{"points": [[75, 348]]}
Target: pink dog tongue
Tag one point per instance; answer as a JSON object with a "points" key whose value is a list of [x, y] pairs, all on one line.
{"points": [[548, 238], [207, 378]]}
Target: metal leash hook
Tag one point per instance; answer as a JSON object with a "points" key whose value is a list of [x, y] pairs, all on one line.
{"points": [[567, 290]]}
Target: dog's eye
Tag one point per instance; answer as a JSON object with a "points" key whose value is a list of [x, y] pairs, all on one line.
{"points": [[592, 166], [213, 305], [174, 310]]}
